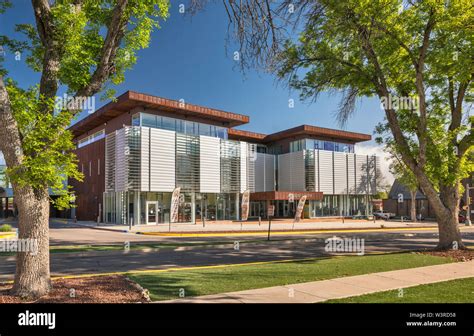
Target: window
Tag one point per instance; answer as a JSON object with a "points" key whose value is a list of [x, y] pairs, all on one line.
{"points": [[148, 120], [90, 139], [83, 142], [298, 145], [329, 145], [136, 119], [168, 124], [178, 125]]}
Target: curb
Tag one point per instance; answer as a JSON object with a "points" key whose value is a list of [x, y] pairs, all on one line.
{"points": [[281, 232], [7, 235], [102, 228]]}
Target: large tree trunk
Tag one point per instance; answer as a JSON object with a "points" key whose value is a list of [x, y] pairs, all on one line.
{"points": [[32, 277], [413, 206], [447, 217]]}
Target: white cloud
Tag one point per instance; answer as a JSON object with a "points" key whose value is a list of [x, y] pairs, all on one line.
{"points": [[384, 159], [2, 159]]}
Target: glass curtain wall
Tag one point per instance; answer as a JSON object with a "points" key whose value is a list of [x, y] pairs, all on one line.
{"points": [[341, 205], [178, 125], [299, 145]]}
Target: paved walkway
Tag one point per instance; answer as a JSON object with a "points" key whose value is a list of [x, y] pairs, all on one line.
{"points": [[319, 291]]}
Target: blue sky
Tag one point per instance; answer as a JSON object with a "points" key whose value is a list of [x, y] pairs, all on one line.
{"points": [[187, 60]]}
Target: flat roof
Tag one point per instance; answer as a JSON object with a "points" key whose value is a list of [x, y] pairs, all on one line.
{"points": [[303, 130], [130, 100]]}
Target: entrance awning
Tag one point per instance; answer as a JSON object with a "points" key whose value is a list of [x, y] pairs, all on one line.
{"points": [[284, 195]]}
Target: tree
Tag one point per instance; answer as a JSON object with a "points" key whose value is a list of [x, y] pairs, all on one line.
{"points": [[415, 56], [407, 179], [79, 46]]}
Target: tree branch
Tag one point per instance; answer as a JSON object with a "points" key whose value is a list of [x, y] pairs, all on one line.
{"points": [[115, 33]]}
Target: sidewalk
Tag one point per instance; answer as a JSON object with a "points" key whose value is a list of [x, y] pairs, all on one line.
{"points": [[255, 226], [319, 291]]}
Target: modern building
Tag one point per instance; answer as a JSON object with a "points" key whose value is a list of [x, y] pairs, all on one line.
{"points": [[136, 150]]}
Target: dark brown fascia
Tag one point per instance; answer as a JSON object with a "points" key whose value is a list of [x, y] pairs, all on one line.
{"points": [[130, 99], [236, 134], [303, 130], [318, 132]]}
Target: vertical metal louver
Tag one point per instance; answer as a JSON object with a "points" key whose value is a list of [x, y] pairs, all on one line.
{"points": [[230, 166], [252, 159], [187, 162], [110, 162], [132, 136], [309, 163]]}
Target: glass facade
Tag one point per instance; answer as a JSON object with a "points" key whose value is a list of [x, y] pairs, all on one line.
{"points": [[341, 205], [299, 145], [178, 125], [142, 208]]}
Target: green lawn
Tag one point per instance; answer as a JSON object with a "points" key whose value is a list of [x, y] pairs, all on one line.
{"points": [[167, 285], [454, 291]]}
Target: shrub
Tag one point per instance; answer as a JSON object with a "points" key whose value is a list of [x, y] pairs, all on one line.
{"points": [[6, 228]]}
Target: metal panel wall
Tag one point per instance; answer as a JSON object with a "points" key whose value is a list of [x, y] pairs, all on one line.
{"points": [[162, 160], [264, 172], [340, 173], [244, 158], [269, 172], [326, 183], [351, 173], [361, 174], [145, 159], [210, 165], [291, 171]]}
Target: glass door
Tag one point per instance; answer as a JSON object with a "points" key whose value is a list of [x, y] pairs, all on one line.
{"points": [[152, 212]]}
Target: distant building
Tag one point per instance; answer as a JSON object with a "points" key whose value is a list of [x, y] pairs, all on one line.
{"points": [[423, 207], [392, 203]]}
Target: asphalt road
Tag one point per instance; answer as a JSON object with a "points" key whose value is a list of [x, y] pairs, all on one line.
{"points": [[120, 261]]}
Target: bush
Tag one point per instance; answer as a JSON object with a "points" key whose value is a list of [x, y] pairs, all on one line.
{"points": [[6, 228]]}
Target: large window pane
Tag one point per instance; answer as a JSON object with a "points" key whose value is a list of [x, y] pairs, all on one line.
{"points": [[168, 124], [205, 129], [329, 145], [136, 120], [148, 120]]}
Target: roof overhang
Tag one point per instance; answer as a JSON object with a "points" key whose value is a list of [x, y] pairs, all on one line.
{"points": [[130, 100], [314, 131], [299, 132], [236, 134], [284, 195]]}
